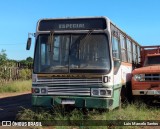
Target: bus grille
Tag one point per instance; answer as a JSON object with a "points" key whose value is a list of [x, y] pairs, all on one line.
{"points": [[152, 77], [69, 82], [67, 86], [68, 91]]}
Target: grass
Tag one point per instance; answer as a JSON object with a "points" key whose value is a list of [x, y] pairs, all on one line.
{"points": [[16, 86], [137, 111]]}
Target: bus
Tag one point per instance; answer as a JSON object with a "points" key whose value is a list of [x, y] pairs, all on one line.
{"points": [[83, 62]]}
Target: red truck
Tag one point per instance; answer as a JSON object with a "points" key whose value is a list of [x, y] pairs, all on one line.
{"points": [[146, 79]]}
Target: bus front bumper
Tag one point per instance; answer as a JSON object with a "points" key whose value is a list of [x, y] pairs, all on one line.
{"points": [[80, 102], [146, 92]]}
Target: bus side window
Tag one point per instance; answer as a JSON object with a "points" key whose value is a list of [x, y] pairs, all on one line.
{"points": [[116, 53], [138, 54], [123, 48], [115, 49], [129, 51], [134, 54]]}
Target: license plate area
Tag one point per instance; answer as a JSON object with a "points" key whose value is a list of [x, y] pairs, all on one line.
{"points": [[67, 101]]}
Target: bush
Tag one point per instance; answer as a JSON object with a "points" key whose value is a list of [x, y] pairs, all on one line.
{"points": [[4, 73], [25, 74]]}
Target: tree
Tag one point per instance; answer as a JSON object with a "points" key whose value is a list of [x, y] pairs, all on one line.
{"points": [[26, 63], [29, 59], [3, 57]]}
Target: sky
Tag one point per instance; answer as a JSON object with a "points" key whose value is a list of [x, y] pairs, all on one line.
{"points": [[138, 18]]}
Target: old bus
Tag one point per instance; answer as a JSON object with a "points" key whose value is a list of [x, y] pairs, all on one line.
{"points": [[83, 62]]}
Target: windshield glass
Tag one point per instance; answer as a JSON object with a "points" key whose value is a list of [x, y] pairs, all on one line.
{"points": [[72, 53], [152, 60]]}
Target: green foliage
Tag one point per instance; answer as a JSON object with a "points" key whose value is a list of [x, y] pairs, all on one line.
{"points": [[5, 73], [5, 65], [29, 59], [3, 57], [16, 86], [25, 74], [31, 115], [7, 68], [26, 63], [14, 73], [137, 111]]}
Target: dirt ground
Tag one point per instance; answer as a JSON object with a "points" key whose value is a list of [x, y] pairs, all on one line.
{"points": [[4, 95]]}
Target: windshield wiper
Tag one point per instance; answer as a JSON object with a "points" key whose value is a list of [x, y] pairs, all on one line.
{"points": [[78, 41], [51, 42], [83, 37], [86, 36]]}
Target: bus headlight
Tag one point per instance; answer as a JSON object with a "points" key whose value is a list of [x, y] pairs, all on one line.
{"points": [[35, 90], [39, 90], [139, 77], [43, 90], [101, 92], [95, 92]]}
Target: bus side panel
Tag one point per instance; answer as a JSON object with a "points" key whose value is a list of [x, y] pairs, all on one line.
{"points": [[126, 70], [122, 79]]}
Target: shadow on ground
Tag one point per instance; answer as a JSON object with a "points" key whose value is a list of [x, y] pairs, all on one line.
{"points": [[9, 106]]}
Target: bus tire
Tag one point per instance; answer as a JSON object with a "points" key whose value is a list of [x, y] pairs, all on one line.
{"points": [[129, 95], [123, 95]]}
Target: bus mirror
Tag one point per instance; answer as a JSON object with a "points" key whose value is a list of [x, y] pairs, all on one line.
{"points": [[28, 44]]}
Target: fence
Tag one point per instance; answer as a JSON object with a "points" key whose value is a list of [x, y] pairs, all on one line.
{"points": [[14, 73]]}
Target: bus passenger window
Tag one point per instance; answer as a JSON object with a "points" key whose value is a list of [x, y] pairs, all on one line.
{"points": [[123, 48], [115, 48], [116, 54], [134, 54], [138, 54], [129, 51]]}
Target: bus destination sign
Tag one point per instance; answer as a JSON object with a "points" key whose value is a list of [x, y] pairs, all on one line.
{"points": [[72, 24]]}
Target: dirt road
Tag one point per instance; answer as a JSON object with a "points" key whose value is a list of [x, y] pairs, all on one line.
{"points": [[10, 104]]}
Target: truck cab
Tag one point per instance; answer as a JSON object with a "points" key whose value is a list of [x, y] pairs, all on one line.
{"points": [[146, 79]]}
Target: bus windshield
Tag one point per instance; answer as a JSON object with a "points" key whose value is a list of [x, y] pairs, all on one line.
{"points": [[72, 53]]}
